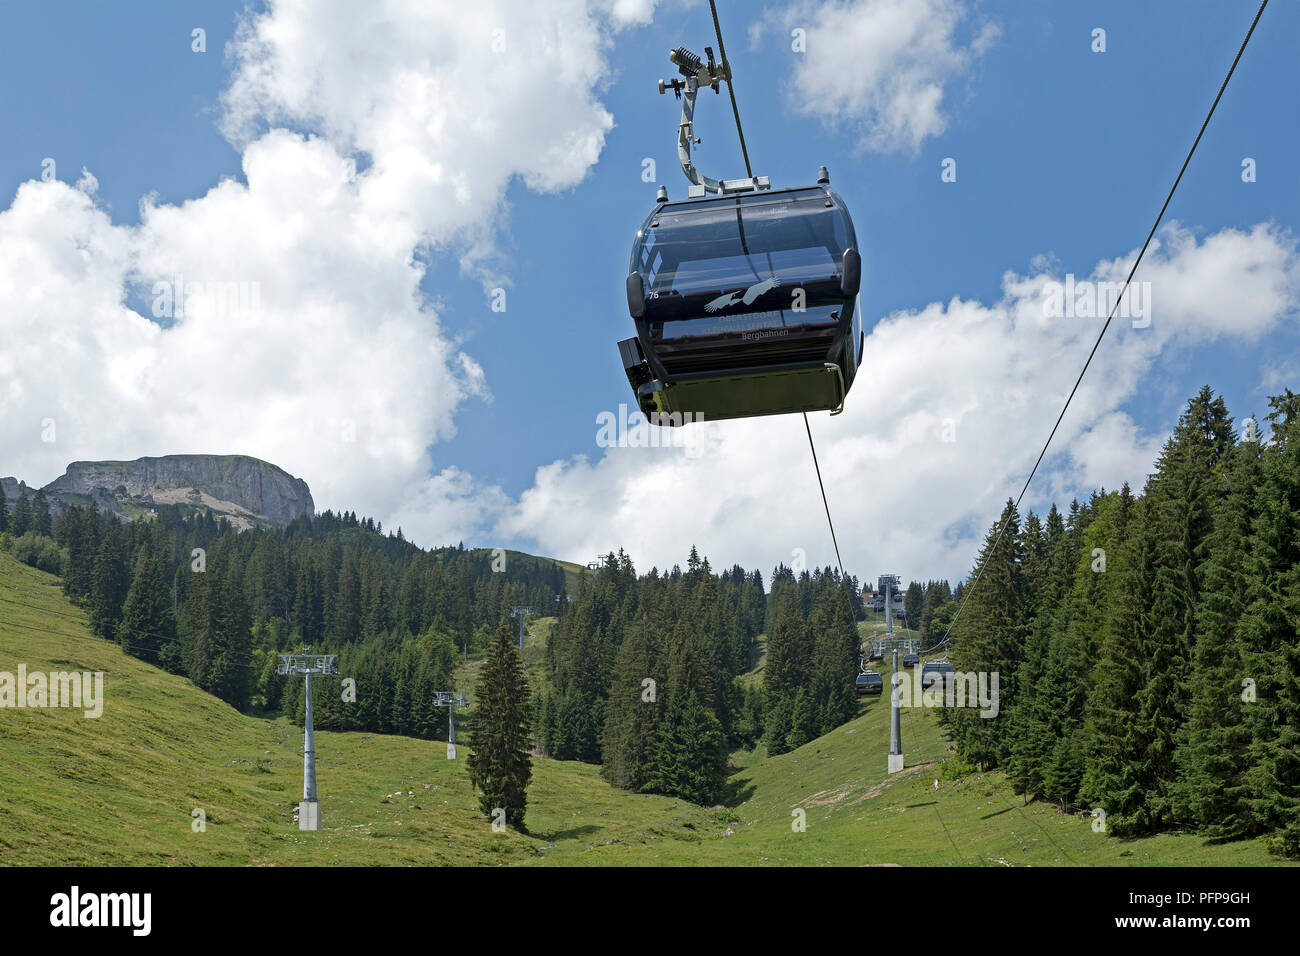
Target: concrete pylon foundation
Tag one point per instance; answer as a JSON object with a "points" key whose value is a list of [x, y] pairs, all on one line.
{"points": [[309, 815]]}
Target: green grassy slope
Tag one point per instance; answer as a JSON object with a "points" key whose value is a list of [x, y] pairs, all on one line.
{"points": [[121, 788], [857, 814]]}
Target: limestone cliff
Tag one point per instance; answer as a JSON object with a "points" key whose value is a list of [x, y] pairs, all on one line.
{"points": [[243, 489]]}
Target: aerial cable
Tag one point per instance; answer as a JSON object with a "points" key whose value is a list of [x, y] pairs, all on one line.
{"points": [[1114, 309], [740, 132], [735, 111]]}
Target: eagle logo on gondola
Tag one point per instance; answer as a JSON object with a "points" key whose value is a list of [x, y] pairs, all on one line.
{"points": [[750, 296]]}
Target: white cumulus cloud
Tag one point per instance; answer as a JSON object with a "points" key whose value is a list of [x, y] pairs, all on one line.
{"points": [[883, 67]]}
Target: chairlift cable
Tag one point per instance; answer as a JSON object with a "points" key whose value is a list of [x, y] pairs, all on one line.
{"points": [[1114, 309], [740, 132]]}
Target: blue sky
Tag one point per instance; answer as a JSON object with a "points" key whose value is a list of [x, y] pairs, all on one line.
{"points": [[1061, 152]]}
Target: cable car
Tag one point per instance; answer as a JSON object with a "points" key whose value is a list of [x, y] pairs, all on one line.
{"points": [[744, 305], [869, 682], [933, 671], [743, 296]]}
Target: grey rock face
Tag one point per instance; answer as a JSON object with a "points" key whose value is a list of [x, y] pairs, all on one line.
{"points": [[242, 487]]}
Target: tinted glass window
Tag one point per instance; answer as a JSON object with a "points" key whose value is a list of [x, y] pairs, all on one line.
{"points": [[749, 326], [737, 244]]}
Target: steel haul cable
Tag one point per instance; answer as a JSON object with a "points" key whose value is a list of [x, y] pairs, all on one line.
{"points": [[740, 132], [1120, 298]]}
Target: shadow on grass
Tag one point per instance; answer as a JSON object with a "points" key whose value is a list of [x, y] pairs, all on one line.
{"points": [[865, 702], [998, 813], [736, 791], [570, 834]]}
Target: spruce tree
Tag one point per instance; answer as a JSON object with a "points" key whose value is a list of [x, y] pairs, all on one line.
{"points": [[1183, 493], [990, 637], [21, 522], [83, 533], [628, 743], [1048, 574], [691, 758], [147, 625], [935, 598], [4, 511], [837, 652], [1215, 755], [237, 651], [914, 604], [1072, 649], [111, 580], [42, 523], [786, 667], [1269, 633], [803, 719], [1118, 777], [499, 764]]}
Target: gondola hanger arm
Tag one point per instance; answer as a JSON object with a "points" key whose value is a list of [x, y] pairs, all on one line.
{"points": [[697, 73]]}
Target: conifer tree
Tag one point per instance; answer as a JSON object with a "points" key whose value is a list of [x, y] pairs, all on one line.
{"points": [[499, 764], [691, 757], [628, 743], [1030, 736], [41, 521], [1215, 753], [990, 637], [836, 656], [147, 624], [1268, 630], [236, 676], [803, 719], [935, 598], [1182, 496], [83, 533], [21, 522], [786, 668], [111, 582], [914, 603], [1117, 776], [1085, 608]]}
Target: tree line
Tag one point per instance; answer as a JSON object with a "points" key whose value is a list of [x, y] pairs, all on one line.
{"points": [[188, 592], [1148, 645]]}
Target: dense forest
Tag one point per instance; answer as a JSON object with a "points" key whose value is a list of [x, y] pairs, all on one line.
{"points": [[642, 671], [1148, 645], [187, 592]]}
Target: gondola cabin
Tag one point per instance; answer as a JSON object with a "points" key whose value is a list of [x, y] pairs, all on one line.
{"points": [[869, 682], [744, 305]]}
